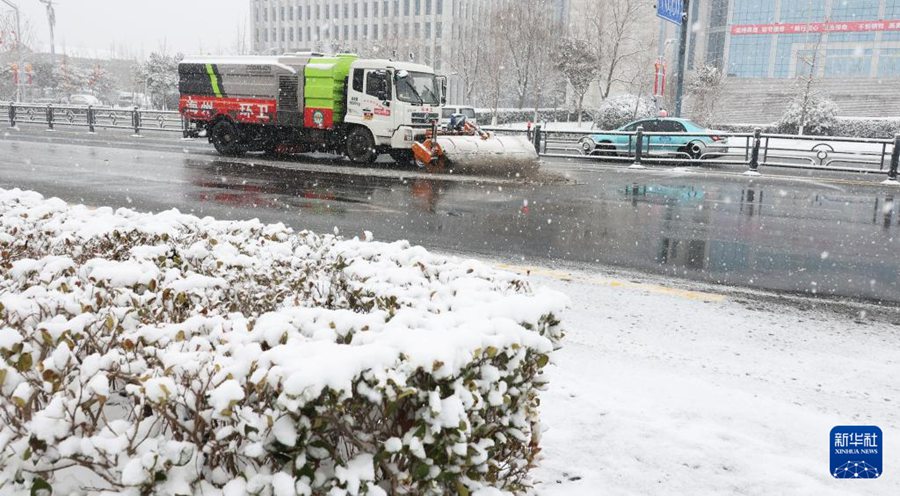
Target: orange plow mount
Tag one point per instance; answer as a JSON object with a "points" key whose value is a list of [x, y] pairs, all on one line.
{"points": [[471, 149]]}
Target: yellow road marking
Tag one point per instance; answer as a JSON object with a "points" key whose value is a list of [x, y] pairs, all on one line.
{"points": [[614, 283]]}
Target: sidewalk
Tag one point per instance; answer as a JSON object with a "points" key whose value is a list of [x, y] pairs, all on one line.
{"points": [[661, 390]]}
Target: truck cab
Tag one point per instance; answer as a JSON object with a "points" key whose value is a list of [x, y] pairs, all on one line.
{"points": [[396, 101]]}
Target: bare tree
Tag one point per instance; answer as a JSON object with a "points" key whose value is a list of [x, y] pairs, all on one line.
{"points": [[545, 32], [810, 110], [807, 94], [523, 30], [10, 38], [467, 59], [706, 87], [577, 63], [618, 33], [241, 45], [492, 78]]}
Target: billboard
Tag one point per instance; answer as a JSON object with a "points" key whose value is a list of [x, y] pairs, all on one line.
{"points": [[816, 27]]}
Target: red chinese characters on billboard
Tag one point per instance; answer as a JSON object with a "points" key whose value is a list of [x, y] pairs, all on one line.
{"points": [[816, 27]]}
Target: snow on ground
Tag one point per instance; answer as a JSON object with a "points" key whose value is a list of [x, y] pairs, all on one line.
{"points": [[663, 390], [659, 390]]}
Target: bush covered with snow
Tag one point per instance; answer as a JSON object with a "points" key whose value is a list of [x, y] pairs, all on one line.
{"points": [[851, 127], [814, 113], [866, 128], [621, 109], [616, 111], [508, 116], [167, 354]]}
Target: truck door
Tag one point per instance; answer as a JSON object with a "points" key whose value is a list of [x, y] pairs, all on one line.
{"points": [[376, 103], [356, 96]]}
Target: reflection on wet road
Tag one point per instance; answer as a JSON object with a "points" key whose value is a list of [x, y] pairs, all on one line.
{"points": [[834, 238]]}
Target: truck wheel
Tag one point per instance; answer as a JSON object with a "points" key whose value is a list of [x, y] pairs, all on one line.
{"points": [[226, 138], [402, 157], [361, 146]]}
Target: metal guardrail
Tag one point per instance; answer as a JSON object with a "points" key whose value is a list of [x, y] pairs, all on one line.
{"points": [[751, 150], [93, 118], [755, 151]]}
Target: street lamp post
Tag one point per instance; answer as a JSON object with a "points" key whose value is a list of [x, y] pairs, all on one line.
{"points": [[20, 86], [682, 56], [51, 19]]}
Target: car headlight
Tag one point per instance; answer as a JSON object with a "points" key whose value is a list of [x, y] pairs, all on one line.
{"points": [[587, 144]]}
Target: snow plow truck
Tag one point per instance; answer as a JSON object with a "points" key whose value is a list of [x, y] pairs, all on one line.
{"points": [[361, 108]]}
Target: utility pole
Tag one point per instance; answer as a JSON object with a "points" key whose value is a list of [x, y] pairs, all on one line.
{"points": [[682, 56], [51, 19], [20, 86]]}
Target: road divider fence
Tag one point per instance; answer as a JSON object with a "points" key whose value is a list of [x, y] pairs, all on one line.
{"points": [[637, 149], [756, 151], [92, 118]]}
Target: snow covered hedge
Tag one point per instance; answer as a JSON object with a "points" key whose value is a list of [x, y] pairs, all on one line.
{"points": [[853, 127], [167, 354], [814, 114], [509, 116]]}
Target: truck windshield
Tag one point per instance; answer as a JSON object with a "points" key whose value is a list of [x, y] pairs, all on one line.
{"points": [[417, 87]]}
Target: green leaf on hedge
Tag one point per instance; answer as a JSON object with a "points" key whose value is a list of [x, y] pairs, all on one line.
{"points": [[461, 489], [40, 487], [543, 360], [25, 362], [420, 471]]}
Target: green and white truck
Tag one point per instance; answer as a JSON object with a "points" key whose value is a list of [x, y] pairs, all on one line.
{"points": [[303, 102]]}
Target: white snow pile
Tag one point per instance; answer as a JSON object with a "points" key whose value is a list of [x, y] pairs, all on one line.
{"points": [[167, 354]]}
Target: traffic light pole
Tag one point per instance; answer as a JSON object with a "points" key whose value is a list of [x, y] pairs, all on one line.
{"points": [[20, 93], [682, 56]]}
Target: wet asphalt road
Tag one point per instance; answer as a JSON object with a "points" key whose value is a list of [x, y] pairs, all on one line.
{"points": [[785, 231]]}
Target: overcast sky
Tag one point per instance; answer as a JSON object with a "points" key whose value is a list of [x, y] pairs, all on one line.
{"points": [[94, 27]]}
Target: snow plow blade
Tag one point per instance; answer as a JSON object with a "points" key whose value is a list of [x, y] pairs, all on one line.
{"points": [[496, 154]]}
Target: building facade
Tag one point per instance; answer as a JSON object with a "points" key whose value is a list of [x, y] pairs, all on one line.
{"points": [[851, 48], [412, 28], [426, 31], [781, 39]]}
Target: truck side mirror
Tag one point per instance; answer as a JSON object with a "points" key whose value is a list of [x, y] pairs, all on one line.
{"points": [[443, 90]]}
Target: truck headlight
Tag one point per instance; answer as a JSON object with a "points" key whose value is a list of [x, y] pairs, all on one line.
{"points": [[408, 135]]}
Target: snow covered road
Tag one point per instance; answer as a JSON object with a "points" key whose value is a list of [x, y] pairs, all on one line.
{"points": [[662, 390]]}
